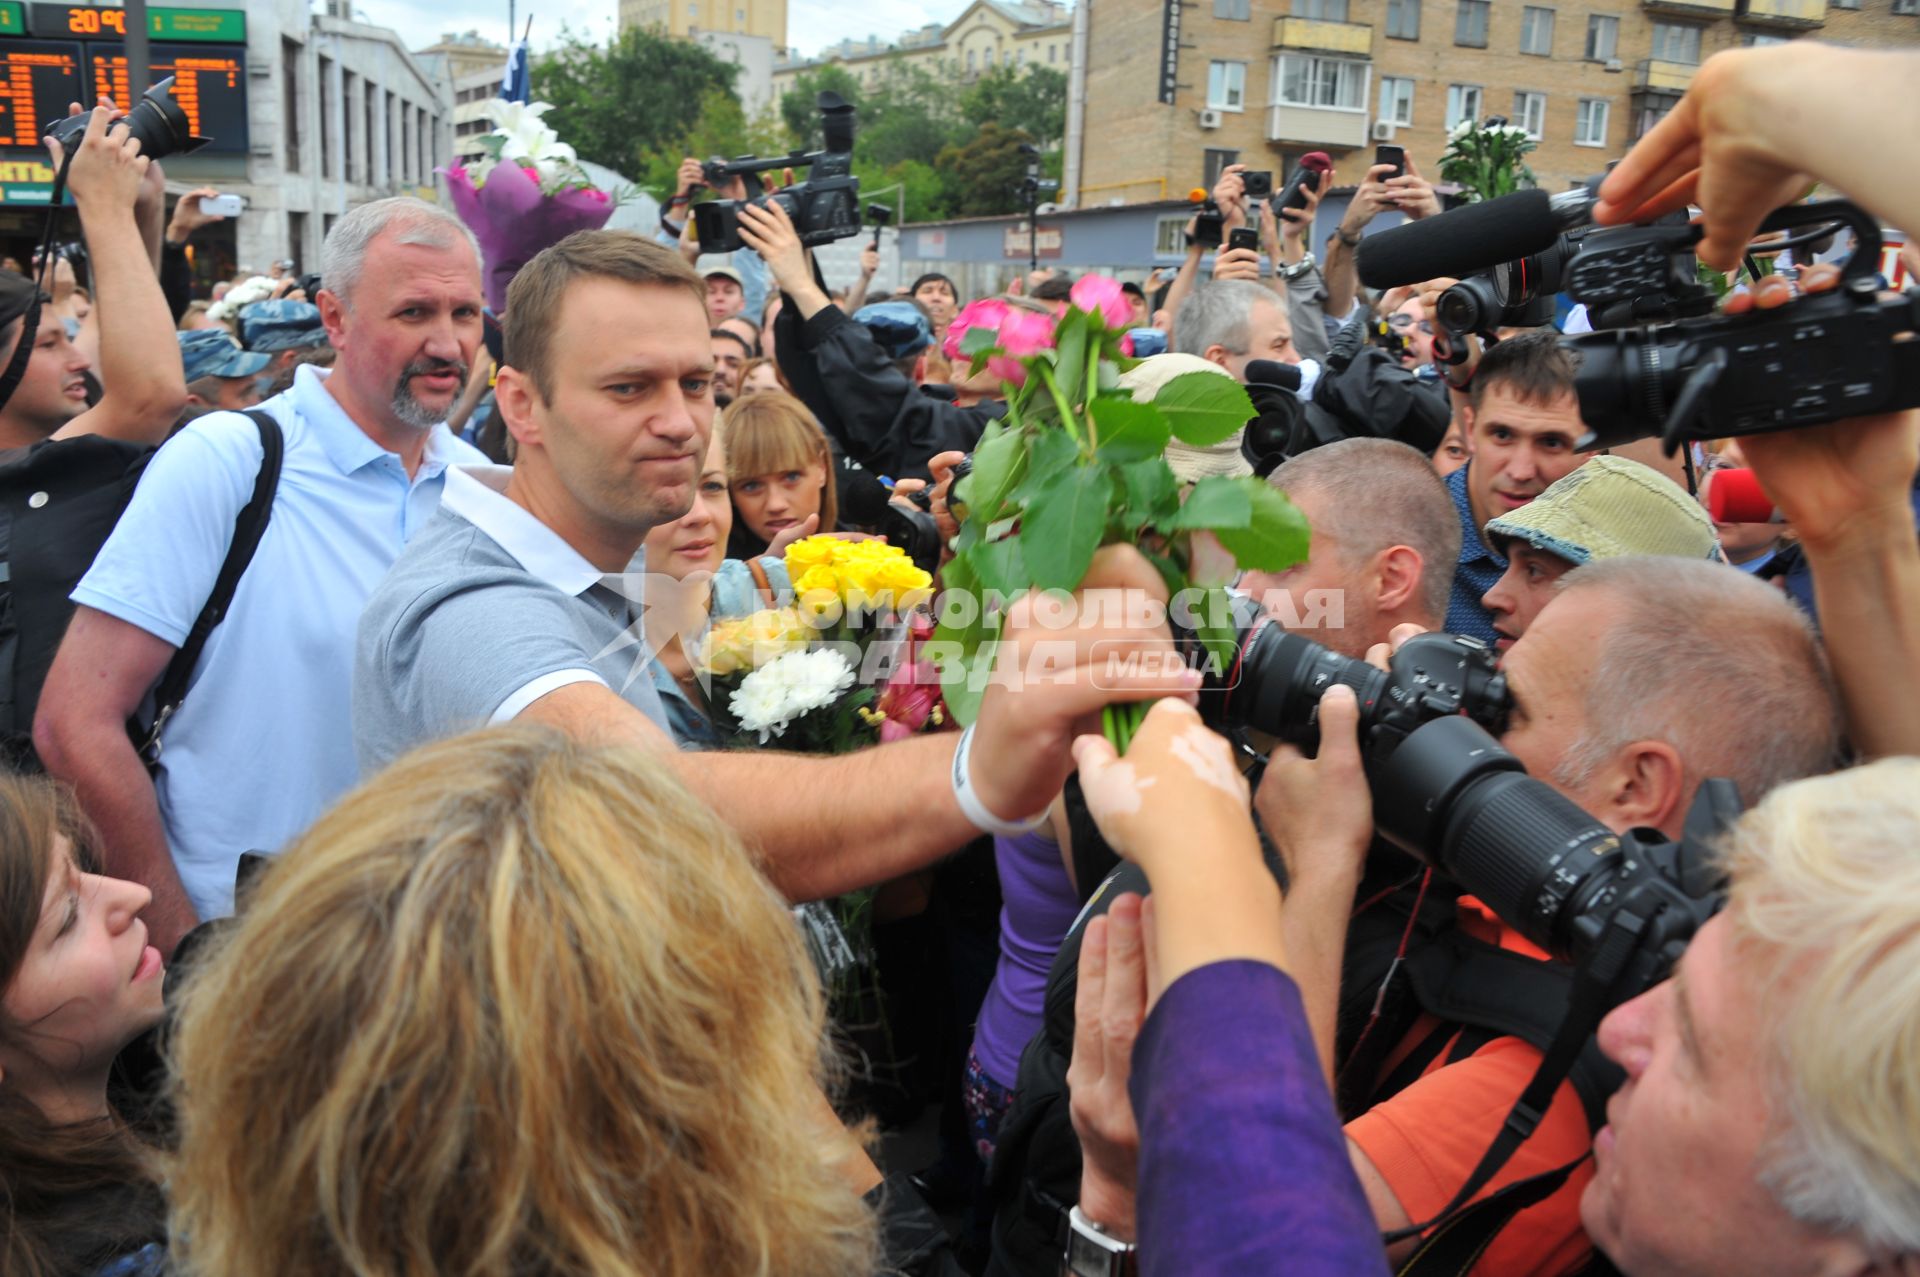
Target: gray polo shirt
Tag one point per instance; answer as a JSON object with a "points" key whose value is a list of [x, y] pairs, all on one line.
{"points": [[486, 611]]}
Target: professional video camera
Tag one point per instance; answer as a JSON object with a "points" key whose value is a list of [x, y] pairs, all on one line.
{"points": [[156, 119], [824, 208], [1660, 362]]}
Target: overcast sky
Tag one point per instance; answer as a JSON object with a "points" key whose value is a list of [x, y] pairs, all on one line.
{"points": [[811, 24]]}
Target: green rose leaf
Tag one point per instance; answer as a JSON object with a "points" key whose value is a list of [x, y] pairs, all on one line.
{"points": [[1129, 431], [1063, 526], [1050, 450], [1203, 408], [1153, 494], [978, 341], [996, 466], [1001, 566], [1275, 538], [1217, 632], [1070, 355], [1216, 502]]}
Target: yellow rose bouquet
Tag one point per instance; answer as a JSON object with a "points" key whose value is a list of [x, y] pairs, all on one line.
{"points": [[834, 666]]}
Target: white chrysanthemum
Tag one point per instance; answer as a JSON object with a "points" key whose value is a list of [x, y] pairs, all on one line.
{"points": [[798, 683], [244, 293]]}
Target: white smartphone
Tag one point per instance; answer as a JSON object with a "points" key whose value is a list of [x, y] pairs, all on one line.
{"points": [[222, 205]]}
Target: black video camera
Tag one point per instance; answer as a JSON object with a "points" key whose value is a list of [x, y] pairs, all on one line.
{"points": [[1661, 363], [1209, 226], [156, 119], [824, 208]]}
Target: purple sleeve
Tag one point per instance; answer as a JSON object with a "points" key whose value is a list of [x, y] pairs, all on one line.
{"points": [[1243, 1165]]}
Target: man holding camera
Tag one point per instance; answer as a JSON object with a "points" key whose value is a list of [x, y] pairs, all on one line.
{"points": [[748, 272]]}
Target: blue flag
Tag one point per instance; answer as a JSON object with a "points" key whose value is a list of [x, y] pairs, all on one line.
{"points": [[516, 82]]}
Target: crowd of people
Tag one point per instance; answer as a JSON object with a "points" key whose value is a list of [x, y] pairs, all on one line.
{"points": [[382, 890]]}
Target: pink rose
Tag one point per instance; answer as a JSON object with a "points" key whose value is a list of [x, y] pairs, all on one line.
{"points": [[597, 195], [1126, 347], [988, 312], [1008, 370], [1100, 295], [1023, 332]]}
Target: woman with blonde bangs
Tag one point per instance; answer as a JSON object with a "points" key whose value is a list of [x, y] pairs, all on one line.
{"points": [[517, 1006], [779, 470]]}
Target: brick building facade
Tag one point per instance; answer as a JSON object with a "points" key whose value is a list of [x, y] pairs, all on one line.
{"points": [[1261, 87]]}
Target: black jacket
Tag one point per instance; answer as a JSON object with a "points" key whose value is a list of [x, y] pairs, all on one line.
{"points": [[879, 417]]}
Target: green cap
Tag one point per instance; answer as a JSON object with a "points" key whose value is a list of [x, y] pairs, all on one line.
{"points": [[1607, 509]]}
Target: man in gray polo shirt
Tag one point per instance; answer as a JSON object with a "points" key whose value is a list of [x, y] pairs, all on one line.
{"points": [[500, 610]]}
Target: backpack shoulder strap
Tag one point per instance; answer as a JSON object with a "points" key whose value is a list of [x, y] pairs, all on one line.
{"points": [[248, 528], [760, 580]]}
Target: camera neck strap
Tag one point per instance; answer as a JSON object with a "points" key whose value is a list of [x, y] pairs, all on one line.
{"points": [[1591, 999], [30, 321]]}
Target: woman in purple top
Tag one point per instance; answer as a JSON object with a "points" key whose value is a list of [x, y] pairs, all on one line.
{"points": [[1040, 905], [1242, 1167]]}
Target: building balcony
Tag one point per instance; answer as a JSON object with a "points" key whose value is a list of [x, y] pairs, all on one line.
{"points": [[1693, 8], [1320, 128], [1352, 39], [1786, 15], [1657, 75]]}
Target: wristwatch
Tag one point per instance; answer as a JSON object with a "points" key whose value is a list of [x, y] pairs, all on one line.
{"points": [[1094, 1252]]}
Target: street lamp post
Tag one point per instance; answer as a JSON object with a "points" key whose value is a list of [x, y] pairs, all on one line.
{"points": [[1030, 188]]}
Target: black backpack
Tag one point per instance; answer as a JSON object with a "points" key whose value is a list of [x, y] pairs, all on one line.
{"points": [[61, 500]]}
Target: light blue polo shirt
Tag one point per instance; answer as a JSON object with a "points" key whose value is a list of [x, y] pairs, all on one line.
{"points": [[264, 741]]}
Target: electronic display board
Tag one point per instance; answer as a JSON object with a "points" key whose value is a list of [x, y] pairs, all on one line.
{"points": [[13, 18], [103, 22], [38, 79], [210, 84]]}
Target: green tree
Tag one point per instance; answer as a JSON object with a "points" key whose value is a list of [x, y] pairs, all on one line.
{"points": [[722, 130], [1031, 98], [624, 104], [981, 174]]}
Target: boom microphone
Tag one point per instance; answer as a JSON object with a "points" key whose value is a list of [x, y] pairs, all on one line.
{"points": [[1471, 239]]}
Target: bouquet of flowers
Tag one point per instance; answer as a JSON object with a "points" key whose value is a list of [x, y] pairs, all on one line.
{"points": [[1487, 160], [1076, 464], [837, 666], [526, 193]]}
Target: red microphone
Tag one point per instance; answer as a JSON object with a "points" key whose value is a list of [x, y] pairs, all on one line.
{"points": [[1735, 496]]}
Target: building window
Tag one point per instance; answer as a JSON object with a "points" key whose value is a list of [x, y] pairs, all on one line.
{"points": [[374, 175], [1170, 236], [297, 236], [1650, 114], [1530, 113], [970, 63], [325, 78], [1020, 57], [1470, 23], [1403, 19], [1233, 10], [350, 96], [291, 100], [1051, 50], [1217, 159], [693, 8], [1396, 100], [1463, 103], [1845, 4], [1536, 31], [1590, 128], [1227, 86], [1324, 10], [1302, 80], [1906, 6], [1603, 38], [1677, 42], [1762, 41]]}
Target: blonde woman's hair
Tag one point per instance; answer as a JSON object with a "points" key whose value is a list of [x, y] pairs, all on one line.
{"points": [[1825, 908], [772, 431], [516, 1006]]}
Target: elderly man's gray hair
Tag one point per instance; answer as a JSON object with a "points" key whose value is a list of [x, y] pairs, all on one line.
{"points": [[1220, 314], [414, 221]]}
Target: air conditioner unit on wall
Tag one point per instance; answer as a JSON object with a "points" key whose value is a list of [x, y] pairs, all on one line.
{"points": [[1209, 119], [1383, 130]]}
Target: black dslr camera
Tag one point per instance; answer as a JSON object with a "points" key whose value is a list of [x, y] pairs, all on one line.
{"points": [[824, 208], [156, 119], [1446, 792]]}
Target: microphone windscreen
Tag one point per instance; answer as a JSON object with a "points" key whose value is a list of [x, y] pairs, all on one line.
{"points": [[1459, 243], [1271, 372], [1735, 496]]}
